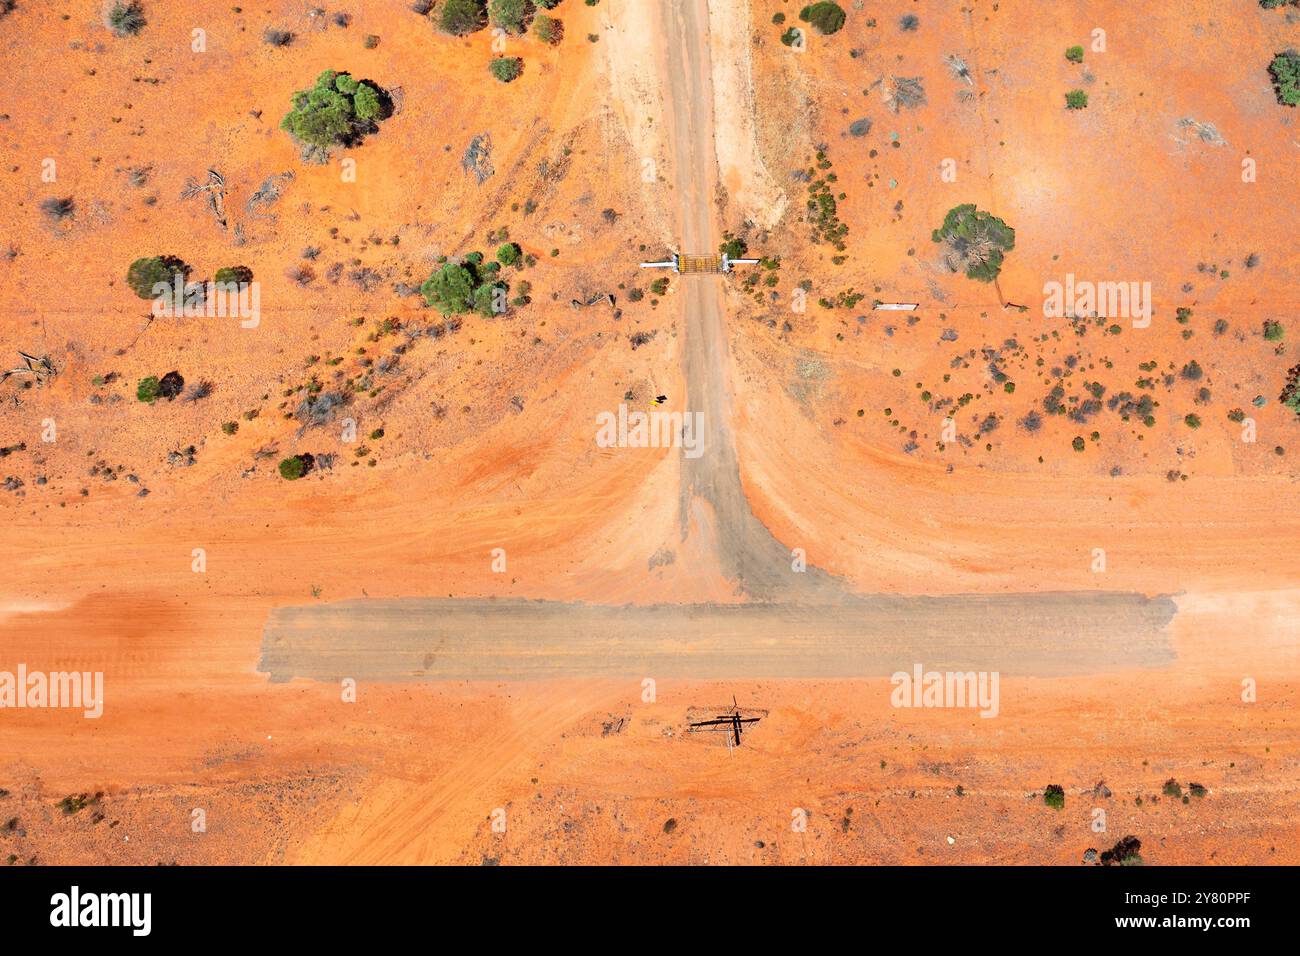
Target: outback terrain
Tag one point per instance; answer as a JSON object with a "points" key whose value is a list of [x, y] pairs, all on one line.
{"points": [[363, 585]]}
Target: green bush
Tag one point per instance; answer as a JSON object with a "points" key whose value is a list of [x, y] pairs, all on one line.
{"points": [[1272, 330], [506, 68], [233, 274], [144, 274], [508, 14], [454, 289], [1074, 54], [147, 389], [126, 19], [1076, 100], [733, 247], [791, 35], [1285, 69], [1054, 796], [548, 29], [459, 17], [450, 289], [508, 254], [826, 17], [976, 240], [337, 111], [291, 469]]}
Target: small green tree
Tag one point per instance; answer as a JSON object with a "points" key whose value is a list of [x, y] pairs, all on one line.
{"points": [[976, 241], [1272, 330], [144, 274], [1285, 70], [338, 111], [450, 289], [459, 17], [1076, 100], [508, 254], [828, 18], [506, 68], [1074, 54], [1054, 796]]}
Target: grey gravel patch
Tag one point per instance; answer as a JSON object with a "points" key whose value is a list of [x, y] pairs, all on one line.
{"points": [[1041, 634]]}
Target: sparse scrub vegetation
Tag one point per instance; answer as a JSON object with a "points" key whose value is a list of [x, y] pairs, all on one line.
{"points": [[1076, 100]]}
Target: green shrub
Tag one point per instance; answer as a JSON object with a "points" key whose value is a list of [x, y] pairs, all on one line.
{"points": [[507, 14], [144, 274], [454, 289], [1192, 421], [338, 111], [450, 289], [459, 17], [791, 35], [733, 247], [125, 19], [1054, 796], [1076, 100], [659, 286], [147, 389], [233, 274], [1272, 330], [826, 17], [508, 254], [1074, 54], [229, 428], [506, 68], [548, 29], [291, 469], [1286, 77], [976, 241]]}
